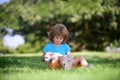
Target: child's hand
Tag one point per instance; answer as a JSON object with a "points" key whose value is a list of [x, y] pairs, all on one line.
{"points": [[51, 54]]}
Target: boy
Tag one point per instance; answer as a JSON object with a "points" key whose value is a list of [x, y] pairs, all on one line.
{"points": [[58, 36]]}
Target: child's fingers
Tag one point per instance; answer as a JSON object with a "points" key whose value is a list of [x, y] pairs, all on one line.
{"points": [[49, 53]]}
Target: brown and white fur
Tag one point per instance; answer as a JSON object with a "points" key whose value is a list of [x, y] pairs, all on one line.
{"points": [[54, 63], [53, 56]]}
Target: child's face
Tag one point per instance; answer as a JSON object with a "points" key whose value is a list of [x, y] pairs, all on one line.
{"points": [[58, 40]]}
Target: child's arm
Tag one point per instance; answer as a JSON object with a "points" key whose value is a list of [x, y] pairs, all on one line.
{"points": [[51, 54], [68, 52]]}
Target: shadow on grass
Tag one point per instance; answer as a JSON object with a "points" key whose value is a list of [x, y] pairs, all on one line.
{"points": [[112, 62], [34, 62], [21, 62]]}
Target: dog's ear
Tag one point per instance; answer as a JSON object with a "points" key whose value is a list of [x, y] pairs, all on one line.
{"points": [[43, 57]]}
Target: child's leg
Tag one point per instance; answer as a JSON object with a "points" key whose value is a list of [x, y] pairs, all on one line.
{"points": [[80, 61], [61, 58], [66, 61]]}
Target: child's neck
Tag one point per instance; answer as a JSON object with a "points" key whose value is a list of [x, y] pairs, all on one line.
{"points": [[56, 44]]}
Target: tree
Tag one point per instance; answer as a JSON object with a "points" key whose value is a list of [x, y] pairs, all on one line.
{"points": [[93, 24]]}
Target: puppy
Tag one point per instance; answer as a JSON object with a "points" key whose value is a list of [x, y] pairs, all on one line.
{"points": [[53, 60]]}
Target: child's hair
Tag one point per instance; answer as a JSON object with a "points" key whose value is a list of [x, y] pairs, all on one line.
{"points": [[59, 30]]}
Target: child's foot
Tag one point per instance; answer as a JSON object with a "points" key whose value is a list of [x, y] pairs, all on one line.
{"points": [[68, 61], [90, 65]]}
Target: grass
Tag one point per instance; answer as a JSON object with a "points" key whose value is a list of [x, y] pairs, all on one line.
{"points": [[30, 67]]}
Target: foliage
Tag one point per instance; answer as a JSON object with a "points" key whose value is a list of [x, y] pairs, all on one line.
{"points": [[93, 24], [29, 67]]}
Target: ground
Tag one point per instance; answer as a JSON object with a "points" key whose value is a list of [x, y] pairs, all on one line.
{"points": [[29, 67]]}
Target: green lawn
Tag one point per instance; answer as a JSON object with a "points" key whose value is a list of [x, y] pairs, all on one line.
{"points": [[30, 67]]}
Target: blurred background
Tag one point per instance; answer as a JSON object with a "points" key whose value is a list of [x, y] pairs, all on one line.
{"points": [[94, 25]]}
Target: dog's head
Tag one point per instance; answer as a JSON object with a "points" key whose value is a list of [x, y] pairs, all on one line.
{"points": [[47, 57]]}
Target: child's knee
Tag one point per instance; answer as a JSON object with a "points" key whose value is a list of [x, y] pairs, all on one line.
{"points": [[81, 58], [84, 62]]}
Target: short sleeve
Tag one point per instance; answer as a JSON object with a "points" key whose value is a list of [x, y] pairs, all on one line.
{"points": [[67, 48], [45, 48]]}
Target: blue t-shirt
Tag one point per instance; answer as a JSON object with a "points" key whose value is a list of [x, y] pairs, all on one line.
{"points": [[62, 48]]}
